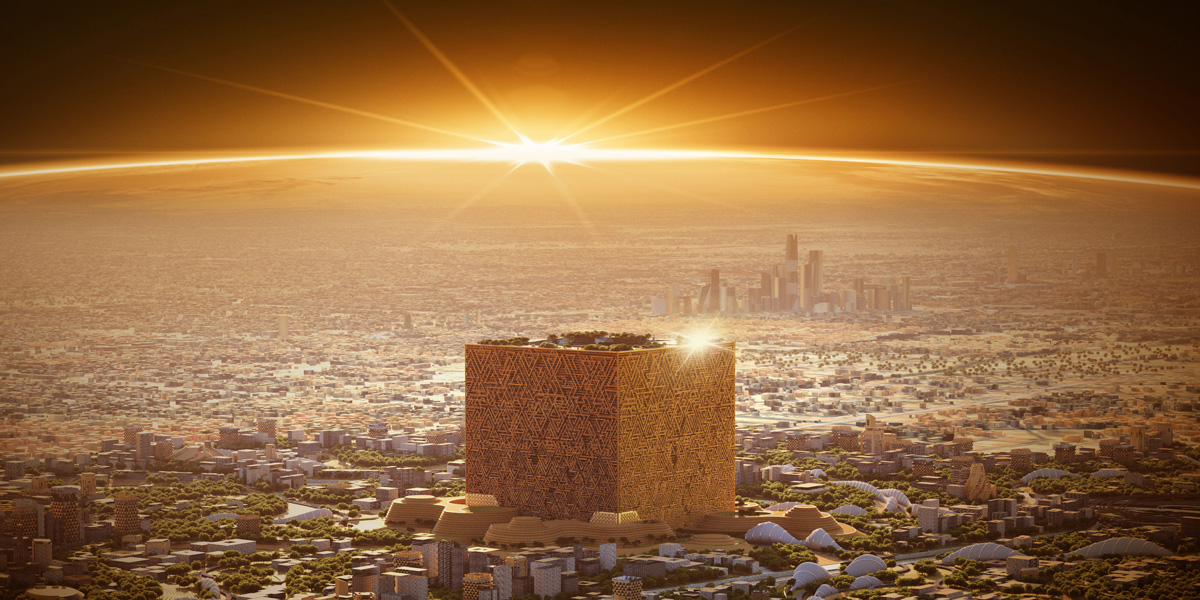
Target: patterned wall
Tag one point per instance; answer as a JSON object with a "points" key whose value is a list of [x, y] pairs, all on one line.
{"points": [[562, 434], [676, 431], [541, 429]]}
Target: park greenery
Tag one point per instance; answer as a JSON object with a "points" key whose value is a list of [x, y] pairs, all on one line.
{"points": [[588, 340], [778, 557], [327, 528], [513, 341], [375, 459], [683, 576], [239, 574], [170, 493], [108, 583], [449, 488], [1086, 580], [1098, 486], [187, 525], [265, 504], [314, 576], [182, 466], [321, 495], [965, 575], [835, 496]]}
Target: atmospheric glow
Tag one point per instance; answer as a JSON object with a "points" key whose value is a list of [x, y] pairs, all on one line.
{"points": [[548, 153], [699, 339], [544, 153]]}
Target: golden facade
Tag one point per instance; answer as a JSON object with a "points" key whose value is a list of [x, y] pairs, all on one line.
{"points": [[564, 433]]}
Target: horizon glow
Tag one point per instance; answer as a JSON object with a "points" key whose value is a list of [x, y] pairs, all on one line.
{"points": [[553, 152]]}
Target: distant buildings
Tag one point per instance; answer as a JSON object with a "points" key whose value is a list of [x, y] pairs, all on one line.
{"points": [[789, 287], [125, 514]]}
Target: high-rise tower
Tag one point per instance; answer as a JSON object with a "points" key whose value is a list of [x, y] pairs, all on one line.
{"points": [[130, 434], [714, 290], [64, 506], [791, 265], [126, 520], [816, 263], [562, 433]]}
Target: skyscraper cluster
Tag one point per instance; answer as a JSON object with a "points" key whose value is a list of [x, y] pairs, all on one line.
{"points": [[790, 286]]}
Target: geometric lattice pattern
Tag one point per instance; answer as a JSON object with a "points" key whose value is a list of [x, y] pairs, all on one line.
{"points": [[676, 431], [562, 434], [541, 429]]}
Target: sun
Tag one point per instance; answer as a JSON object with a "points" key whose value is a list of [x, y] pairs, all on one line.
{"points": [[546, 153]]}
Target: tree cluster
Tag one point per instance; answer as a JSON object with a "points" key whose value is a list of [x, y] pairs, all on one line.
{"points": [[778, 557], [313, 576], [128, 586], [265, 504]]}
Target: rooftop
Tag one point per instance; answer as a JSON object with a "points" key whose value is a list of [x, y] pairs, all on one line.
{"points": [[591, 340]]}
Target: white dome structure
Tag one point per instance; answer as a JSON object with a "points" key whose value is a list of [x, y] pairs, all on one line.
{"points": [[817, 473], [883, 496], [865, 565], [768, 533], [315, 513], [981, 551], [1106, 473], [819, 539], [1049, 473], [865, 582], [783, 506], [862, 485], [807, 573], [848, 509], [900, 497], [825, 590], [1123, 546], [207, 583]]}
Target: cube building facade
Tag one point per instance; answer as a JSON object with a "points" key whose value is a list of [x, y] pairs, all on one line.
{"points": [[564, 433]]}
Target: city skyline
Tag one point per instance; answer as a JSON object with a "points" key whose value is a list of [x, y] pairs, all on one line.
{"points": [[523, 300]]}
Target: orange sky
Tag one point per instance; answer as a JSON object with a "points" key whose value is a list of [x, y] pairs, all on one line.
{"points": [[1064, 83]]}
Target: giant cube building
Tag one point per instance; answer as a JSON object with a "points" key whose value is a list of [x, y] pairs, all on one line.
{"points": [[561, 433]]}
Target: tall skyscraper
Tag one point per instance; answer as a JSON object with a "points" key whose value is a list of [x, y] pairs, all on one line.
{"points": [[802, 289], [816, 261], [564, 433], [791, 266], [283, 326], [764, 292], [68, 523], [714, 290], [778, 288], [1101, 264], [87, 486], [145, 445], [126, 520], [1012, 264], [130, 434]]}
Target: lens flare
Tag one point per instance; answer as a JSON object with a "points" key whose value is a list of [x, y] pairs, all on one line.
{"points": [[549, 153]]}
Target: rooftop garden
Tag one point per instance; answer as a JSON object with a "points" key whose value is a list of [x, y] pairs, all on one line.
{"points": [[584, 340]]}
